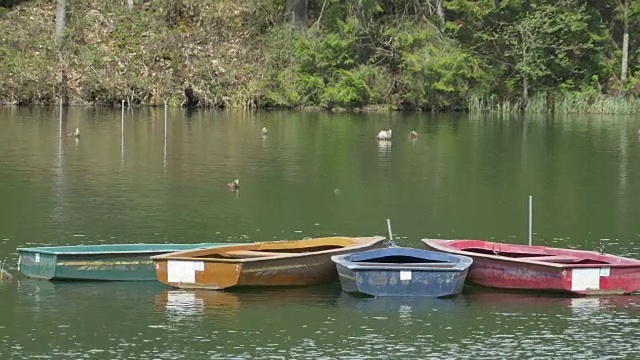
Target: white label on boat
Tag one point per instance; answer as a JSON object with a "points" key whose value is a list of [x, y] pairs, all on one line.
{"points": [[181, 271], [405, 275], [37, 257], [605, 271], [583, 279], [199, 265]]}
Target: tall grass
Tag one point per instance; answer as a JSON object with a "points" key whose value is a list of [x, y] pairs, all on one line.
{"points": [[568, 103]]}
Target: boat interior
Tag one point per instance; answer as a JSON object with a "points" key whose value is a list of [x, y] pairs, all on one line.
{"points": [[400, 259], [404, 261], [258, 253], [541, 256]]}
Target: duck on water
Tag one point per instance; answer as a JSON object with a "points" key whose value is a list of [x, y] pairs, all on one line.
{"points": [[234, 185], [384, 135], [75, 134]]}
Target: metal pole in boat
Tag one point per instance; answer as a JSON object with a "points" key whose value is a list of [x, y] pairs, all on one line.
{"points": [[390, 233], [530, 219]]}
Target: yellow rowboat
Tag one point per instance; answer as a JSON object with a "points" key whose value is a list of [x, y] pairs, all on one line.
{"points": [[277, 263]]}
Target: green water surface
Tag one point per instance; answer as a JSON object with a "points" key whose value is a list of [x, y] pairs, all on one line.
{"points": [[314, 174]]}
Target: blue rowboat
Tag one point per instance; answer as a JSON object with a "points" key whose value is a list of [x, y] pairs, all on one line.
{"points": [[117, 262], [399, 271]]}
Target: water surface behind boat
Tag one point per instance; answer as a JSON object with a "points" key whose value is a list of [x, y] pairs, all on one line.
{"points": [[312, 175]]}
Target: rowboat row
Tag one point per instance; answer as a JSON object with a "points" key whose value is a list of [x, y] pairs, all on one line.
{"points": [[362, 265]]}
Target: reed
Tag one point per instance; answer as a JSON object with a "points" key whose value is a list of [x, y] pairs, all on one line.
{"points": [[568, 103]]}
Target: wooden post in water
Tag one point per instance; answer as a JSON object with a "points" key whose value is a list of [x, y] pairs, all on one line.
{"points": [[122, 115], [165, 135], [60, 125], [122, 136], [530, 220], [165, 123]]}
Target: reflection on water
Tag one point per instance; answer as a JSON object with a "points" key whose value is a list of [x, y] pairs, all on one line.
{"points": [[384, 150], [151, 320], [181, 305]]}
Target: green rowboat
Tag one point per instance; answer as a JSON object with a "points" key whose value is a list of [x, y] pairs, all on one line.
{"points": [[117, 262]]}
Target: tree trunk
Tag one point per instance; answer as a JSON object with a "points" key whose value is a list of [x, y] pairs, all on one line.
{"points": [[130, 4], [525, 93], [192, 98], [440, 11], [525, 75], [64, 88], [298, 10], [61, 19], [625, 48]]}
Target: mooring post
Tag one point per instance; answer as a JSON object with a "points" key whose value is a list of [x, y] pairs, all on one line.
{"points": [[530, 220], [165, 110], [60, 120], [165, 136], [165, 120]]}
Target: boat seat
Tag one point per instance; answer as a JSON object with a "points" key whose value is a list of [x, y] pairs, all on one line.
{"points": [[441, 265], [555, 258], [254, 253]]}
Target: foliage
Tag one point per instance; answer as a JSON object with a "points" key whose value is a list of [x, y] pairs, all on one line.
{"points": [[488, 55]]}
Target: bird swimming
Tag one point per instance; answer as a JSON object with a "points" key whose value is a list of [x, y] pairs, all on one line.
{"points": [[384, 135], [76, 134], [264, 131], [413, 134], [234, 185]]}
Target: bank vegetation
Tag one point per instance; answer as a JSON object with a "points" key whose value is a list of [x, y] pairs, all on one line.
{"points": [[428, 55]]}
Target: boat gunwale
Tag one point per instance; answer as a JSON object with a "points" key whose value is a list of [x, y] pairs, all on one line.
{"points": [[48, 249], [403, 267], [176, 255], [440, 244], [461, 265]]}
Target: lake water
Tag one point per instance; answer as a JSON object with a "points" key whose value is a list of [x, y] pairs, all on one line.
{"points": [[314, 174]]}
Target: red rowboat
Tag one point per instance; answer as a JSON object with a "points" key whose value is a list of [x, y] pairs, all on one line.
{"points": [[509, 266]]}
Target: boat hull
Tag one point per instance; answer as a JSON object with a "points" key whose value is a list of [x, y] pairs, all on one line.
{"points": [[118, 262], [287, 270], [375, 273], [618, 276]]}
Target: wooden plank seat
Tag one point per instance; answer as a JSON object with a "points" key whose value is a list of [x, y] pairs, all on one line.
{"points": [[256, 253], [400, 265], [555, 258]]}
